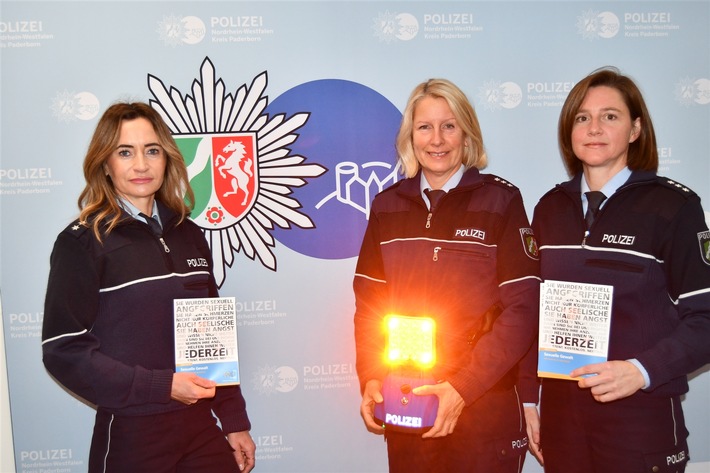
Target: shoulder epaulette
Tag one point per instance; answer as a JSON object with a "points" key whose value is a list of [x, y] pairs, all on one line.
{"points": [[77, 228], [677, 186], [393, 186], [554, 190], [497, 180]]}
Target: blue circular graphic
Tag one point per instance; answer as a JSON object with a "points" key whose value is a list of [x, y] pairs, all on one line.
{"points": [[351, 131]]}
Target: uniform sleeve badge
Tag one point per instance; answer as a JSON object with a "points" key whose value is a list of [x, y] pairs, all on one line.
{"points": [[704, 242], [529, 243]]}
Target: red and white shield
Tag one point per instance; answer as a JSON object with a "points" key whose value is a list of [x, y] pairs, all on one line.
{"points": [[223, 170]]}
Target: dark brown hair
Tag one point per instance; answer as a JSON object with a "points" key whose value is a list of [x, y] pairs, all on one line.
{"points": [[643, 153]]}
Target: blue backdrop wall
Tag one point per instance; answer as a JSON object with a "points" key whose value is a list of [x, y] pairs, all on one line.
{"points": [[328, 80]]}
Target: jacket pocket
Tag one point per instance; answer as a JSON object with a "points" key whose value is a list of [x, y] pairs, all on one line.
{"points": [[614, 265], [459, 253], [196, 285]]}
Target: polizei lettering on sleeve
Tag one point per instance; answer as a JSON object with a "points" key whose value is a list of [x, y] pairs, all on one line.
{"points": [[403, 421], [619, 239]]}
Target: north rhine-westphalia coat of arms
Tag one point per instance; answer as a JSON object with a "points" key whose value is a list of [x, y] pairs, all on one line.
{"points": [[239, 164]]}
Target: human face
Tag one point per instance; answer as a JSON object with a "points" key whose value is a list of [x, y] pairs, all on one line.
{"points": [[137, 165], [437, 139], [602, 131]]}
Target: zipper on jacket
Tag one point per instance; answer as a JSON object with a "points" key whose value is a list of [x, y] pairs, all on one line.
{"points": [[432, 207], [436, 253], [584, 239], [158, 233], [588, 230], [428, 221], [165, 245]]}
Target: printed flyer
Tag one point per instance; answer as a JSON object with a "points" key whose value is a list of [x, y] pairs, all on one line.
{"points": [[574, 326], [206, 338]]}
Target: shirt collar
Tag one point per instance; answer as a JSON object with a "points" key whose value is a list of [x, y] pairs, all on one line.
{"points": [[609, 188], [448, 185], [134, 212]]}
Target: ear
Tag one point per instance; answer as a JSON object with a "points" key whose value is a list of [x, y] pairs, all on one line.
{"points": [[635, 130]]}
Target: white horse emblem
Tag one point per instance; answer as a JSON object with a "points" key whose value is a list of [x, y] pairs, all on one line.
{"points": [[232, 164]]}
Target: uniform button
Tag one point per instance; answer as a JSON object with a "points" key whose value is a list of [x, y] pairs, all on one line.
{"points": [[655, 469], [503, 452]]}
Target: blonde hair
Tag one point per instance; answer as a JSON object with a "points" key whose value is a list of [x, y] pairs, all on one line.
{"points": [[474, 153], [99, 201]]}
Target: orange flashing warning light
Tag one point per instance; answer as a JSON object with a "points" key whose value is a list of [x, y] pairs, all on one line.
{"points": [[410, 340]]}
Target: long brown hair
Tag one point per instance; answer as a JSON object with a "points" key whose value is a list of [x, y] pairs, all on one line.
{"points": [[643, 154], [99, 201]]}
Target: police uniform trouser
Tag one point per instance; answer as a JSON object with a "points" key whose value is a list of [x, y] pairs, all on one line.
{"points": [[489, 438], [184, 441], [639, 434]]}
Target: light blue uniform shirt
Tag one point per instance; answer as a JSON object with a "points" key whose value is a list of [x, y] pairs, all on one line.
{"points": [[609, 188], [133, 210], [450, 184]]}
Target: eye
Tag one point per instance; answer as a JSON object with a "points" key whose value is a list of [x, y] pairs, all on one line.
{"points": [[156, 151], [124, 153], [449, 126], [580, 119], [610, 117]]}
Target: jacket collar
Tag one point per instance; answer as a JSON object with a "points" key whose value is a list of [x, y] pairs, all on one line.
{"points": [[167, 216], [410, 187], [573, 186]]}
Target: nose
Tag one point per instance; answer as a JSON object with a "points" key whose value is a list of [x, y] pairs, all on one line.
{"points": [[437, 137], [141, 161], [594, 126]]}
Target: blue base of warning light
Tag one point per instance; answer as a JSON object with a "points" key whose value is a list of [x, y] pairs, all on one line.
{"points": [[403, 410]]}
